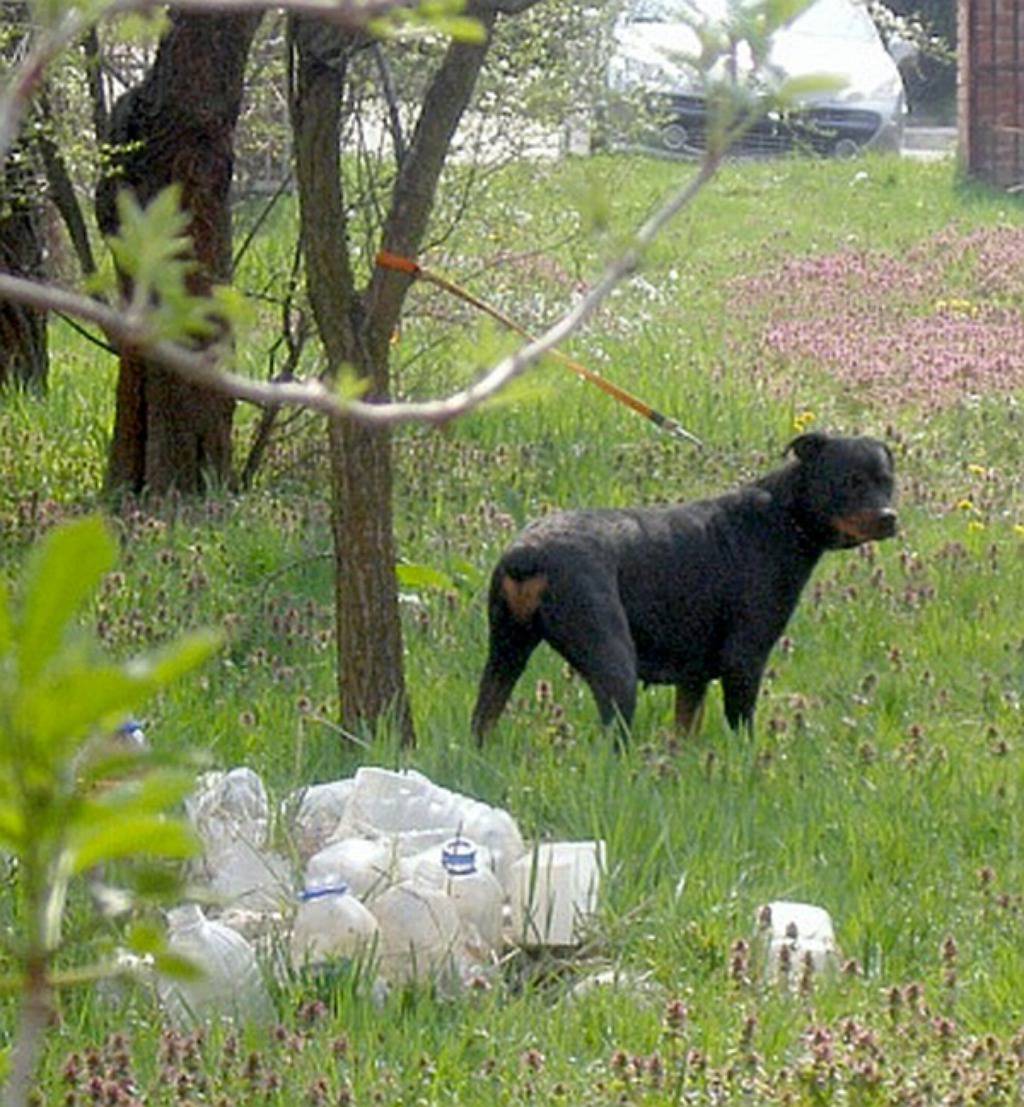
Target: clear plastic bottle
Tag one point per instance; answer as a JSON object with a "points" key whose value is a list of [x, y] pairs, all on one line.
{"points": [[364, 864], [231, 984], [419, 932], [473, 889], [330, 924]]}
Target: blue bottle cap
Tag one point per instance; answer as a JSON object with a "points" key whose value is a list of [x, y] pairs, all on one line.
{"points": [[458, 857], [321, 890]]}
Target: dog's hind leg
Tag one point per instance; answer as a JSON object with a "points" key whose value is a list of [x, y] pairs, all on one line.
{"points": [[592, 634], [511, 643]]}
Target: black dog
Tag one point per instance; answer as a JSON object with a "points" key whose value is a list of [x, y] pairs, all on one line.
{"points": [[684, 594]]}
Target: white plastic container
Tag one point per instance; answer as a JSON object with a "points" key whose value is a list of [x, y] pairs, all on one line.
{"points": [[231, 985], [801, 930], [475, 891], [554, 890], [419, 932], [313, 814], [366, 865], [330, 924], [416, 814]]}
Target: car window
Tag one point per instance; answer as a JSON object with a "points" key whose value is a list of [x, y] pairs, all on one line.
{"points": [[835, 19]]}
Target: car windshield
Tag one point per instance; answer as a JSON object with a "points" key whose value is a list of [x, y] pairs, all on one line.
{"points": [[823, 19]]}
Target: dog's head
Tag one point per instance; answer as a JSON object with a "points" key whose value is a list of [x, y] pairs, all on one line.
{"points": [[843, 489]]}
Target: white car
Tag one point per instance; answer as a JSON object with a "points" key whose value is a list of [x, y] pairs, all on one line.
{"points": [[861, 102]]}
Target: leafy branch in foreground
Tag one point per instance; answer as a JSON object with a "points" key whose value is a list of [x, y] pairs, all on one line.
{"points": [[69, 801]]}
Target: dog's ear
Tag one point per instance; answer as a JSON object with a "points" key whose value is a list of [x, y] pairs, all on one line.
{"points": [[807, 446]]}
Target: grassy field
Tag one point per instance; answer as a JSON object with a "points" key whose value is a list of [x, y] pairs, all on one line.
{"points": [[885, 779]]}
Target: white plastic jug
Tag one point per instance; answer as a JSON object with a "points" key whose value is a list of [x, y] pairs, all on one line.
{"points": [[473, 888], [367, 866], [553, 890], [419, 932], [231, 985], [330, 924], [802, 930]]}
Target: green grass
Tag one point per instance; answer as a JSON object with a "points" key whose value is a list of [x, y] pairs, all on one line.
{"points": [[886, 773]]}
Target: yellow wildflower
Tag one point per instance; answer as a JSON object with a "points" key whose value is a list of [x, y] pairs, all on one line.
{"points": [[965, 505]]}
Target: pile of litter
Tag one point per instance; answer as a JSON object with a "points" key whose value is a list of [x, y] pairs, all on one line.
{"points": [[420, 881]]}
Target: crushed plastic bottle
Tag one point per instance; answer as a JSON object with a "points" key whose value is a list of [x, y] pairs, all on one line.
{"points": [[415, 814], [231, 804], [331, 924], [231, 985], [230, 812], [475, 891], [314, 813], [364, 864]]}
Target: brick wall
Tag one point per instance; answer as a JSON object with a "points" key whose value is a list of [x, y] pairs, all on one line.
{"points": [[991, 90]]}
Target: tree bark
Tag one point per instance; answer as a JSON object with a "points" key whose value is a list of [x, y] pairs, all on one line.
{"points": [[355, 327], [178, 127], [24, 352]]}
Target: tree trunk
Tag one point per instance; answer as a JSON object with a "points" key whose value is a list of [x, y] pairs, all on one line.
{"points": [[24, 352], [178, 127], [356, 327], [371, 681]]}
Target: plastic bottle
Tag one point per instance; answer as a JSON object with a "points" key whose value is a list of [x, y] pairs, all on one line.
{"points": [[231, 985], [314, 814], [364, 864], [473, 889], [419, 932], [330, 924]]}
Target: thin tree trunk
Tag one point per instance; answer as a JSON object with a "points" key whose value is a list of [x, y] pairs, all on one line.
{"points": [[356, 327]]}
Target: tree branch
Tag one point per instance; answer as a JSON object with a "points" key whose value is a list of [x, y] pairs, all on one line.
{"points": [[413, 197], [203, 367]]}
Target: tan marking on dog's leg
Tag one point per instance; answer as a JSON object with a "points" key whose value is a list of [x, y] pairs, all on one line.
{"points": [[689, 714], [523, 596]]}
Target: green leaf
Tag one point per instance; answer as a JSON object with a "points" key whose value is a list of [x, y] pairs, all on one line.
{"points": [[5, 620], [423, 576], [69, 705], [177, 967], [144, 938], [62, 572], [794, 89], [152, 793], [187, 653], [130, 836]]}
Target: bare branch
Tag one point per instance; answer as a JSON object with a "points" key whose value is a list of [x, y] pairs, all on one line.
{"points": [[204, 367]]}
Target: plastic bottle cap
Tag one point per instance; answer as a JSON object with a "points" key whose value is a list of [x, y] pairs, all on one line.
{"points": [[458, 857], [321, 890]]}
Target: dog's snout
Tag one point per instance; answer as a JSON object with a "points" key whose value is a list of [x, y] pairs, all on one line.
{"points": [[888, 522]]}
